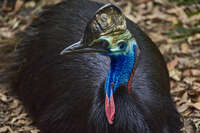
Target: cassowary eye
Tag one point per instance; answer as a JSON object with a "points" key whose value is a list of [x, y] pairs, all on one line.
{"points": [[122, 45]]}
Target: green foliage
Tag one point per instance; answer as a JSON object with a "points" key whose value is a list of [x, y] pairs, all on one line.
{"points": [[181, 2], [179, 32], [194, 13], [183, 32]]}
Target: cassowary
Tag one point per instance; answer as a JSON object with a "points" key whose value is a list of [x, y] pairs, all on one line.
{"points": [[85, 68]]}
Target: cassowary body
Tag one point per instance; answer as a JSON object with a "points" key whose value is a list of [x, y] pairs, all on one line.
{"points": [[66, 94]]}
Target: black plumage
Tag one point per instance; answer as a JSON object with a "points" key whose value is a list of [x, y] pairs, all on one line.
{"points": [[65, 94]]}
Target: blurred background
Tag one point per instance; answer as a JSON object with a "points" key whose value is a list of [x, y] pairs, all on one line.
{"points": [[174, 25]]}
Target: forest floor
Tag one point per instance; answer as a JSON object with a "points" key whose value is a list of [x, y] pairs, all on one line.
{"points": [[173, 26]]}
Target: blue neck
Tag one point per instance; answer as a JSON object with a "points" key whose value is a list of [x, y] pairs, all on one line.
{"points": [[121, 68]]}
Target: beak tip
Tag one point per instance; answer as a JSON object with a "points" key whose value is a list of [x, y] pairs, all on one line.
{"points": [[61, 53], [71, 48], [64, 52]]}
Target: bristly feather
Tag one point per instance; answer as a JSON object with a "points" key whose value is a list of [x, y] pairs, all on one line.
{"points": [[66, 93]]}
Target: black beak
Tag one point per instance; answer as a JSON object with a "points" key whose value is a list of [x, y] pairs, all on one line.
{"points": [[79, 47], [76, 47]]}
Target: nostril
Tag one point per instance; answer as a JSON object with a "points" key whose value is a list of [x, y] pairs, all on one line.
{"points": [[101, 44], [105, 43]]}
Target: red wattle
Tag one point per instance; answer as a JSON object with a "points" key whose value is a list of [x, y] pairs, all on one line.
{"points": [[110, 108]]}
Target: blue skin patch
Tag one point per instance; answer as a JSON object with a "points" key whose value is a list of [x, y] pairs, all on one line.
{"points": [[121, 66]]}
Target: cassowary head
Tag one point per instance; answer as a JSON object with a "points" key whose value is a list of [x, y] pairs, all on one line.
{"points": [[107, 34]]}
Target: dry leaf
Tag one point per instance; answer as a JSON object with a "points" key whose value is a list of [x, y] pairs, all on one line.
{"points": [[195, 72], [189, 127], [185, 48], [187, 72], [6, 129], [183, 108], [189, 80], [195, 105], [3, 98], [18, 5], [172, 64], [175, 74]]}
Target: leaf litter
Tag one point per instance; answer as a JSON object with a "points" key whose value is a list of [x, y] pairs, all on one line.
{"points": [[172, 25]]}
